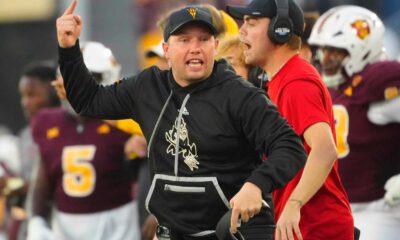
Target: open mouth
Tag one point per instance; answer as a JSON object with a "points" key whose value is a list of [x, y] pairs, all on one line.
{"points": [[195, 63], [246, 46]]}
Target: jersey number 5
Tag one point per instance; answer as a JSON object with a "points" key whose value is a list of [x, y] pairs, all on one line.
{"points": [[79, 176], [342, 130]]}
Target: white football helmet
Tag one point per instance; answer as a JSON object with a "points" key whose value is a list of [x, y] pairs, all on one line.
{"points": [[100, 60], [354, 29]]}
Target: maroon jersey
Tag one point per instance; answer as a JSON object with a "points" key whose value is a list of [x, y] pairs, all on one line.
{"points": [[84, 161], [368, 153]]}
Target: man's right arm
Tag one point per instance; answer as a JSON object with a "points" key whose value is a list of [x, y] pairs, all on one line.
{"points": [[86, 96], [83, 92]]}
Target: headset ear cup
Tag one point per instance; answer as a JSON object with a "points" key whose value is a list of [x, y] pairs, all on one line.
{"points": [[271, 30], [280, 30]]}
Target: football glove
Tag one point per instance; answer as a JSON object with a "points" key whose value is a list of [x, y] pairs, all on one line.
{"points": [[392, 187]]}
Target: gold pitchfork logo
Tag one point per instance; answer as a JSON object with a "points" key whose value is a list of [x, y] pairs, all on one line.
{"points": [[192, 12]]}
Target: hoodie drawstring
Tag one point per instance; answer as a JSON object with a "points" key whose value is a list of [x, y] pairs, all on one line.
{"points": [[178, 131], [157, 123]]}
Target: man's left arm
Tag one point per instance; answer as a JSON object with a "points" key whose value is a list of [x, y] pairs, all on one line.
{"points": [[319, 163], [270, 134]]}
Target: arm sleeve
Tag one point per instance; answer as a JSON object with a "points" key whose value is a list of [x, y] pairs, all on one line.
{"points": [[270, 134], [86, 96]]}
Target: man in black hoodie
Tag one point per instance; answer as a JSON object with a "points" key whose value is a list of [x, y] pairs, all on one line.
{"points": [[207, 129]]}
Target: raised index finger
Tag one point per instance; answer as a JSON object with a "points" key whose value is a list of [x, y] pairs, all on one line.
{"points": [[71, 8]]}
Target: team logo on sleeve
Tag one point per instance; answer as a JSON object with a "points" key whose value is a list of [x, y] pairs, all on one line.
{"points": [[356, 80], [52, 132], [103, 129], [362, 28], [391, 92], [186, 149]]}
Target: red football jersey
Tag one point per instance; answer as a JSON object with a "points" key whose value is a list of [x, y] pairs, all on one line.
{"points": [[84, 161], [303, 99]]}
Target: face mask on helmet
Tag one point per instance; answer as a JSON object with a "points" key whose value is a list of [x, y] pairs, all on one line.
{"points": [[101, 62], [353, 29], [330, 62]]}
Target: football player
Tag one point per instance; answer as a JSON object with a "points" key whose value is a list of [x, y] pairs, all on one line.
{"points": [[365, 93], [35, 93], [81, 171]]}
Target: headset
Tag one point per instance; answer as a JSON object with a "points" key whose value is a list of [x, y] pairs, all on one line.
{"points": [[280, 29]]}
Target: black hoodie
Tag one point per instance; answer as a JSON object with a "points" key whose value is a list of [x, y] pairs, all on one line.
{"points": [[225, 125]]}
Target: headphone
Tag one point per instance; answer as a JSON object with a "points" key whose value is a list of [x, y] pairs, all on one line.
{"points": [[280, 28]]}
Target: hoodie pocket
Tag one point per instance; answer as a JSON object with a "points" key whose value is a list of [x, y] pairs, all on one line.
{"points": [[189, 205]]}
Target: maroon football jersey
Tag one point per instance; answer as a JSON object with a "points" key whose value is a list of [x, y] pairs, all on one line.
{"points": [[84, 161], [368, 153]]}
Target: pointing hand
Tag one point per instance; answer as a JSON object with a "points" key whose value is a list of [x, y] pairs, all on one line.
{"points": [[69, 27]]}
